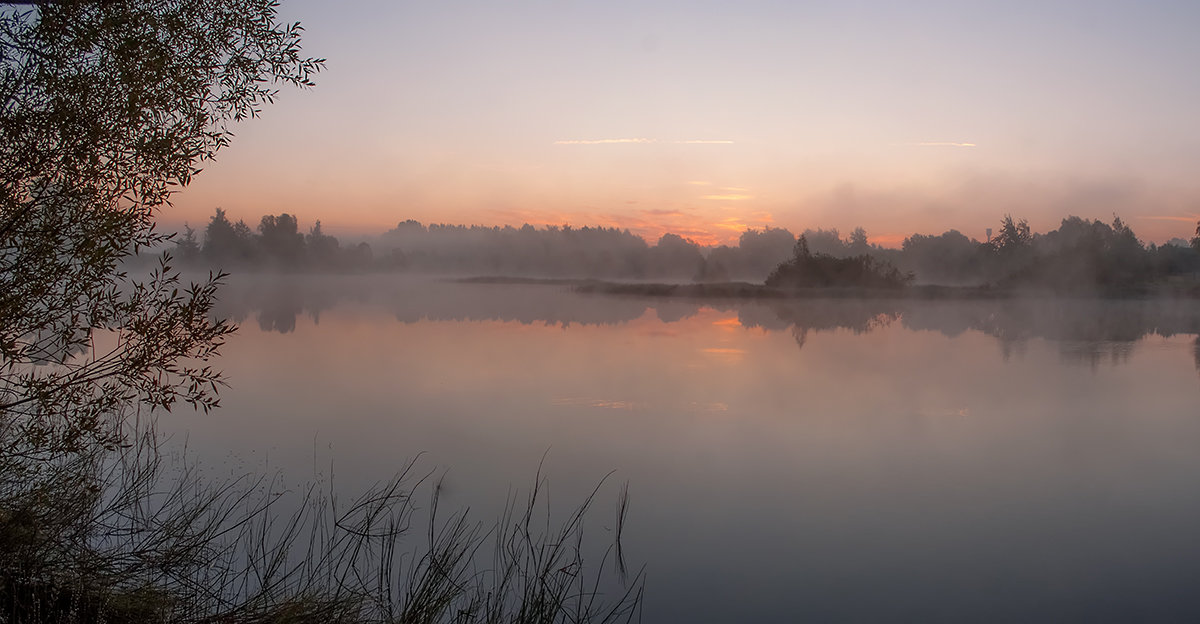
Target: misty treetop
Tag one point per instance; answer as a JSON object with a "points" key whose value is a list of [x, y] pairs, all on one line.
{"points": [[277, 243], [556, 251], [821, 270], [1080, 255]]}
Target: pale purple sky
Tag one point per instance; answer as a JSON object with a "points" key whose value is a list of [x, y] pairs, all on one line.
{"points": [[704, 118]]}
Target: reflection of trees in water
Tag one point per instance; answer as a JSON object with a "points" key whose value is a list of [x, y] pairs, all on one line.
{"points": [[816, 315], [1092, 332], [277, 301], [1086, 332], [1094, 353], [279, 310]]}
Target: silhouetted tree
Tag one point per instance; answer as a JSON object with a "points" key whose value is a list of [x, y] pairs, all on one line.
{"points": [[1196, 241], [675, 255], [808, 270], [826, 242], [950, 256], [360, 255], [281, 239], [1013, 237], [1012, 251], [1077, 256], [712, 268], [219, 239], [107, 109], [1083, 255], [323, 250], [759, 251], [187, 248], [228, 243], [857, 243]]}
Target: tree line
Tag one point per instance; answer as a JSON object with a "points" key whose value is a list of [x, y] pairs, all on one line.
{"points": [[1078, 254]]}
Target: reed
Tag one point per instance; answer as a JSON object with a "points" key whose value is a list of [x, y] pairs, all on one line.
{"points": [[120, 534]]}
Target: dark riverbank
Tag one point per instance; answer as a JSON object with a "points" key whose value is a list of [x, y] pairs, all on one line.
{"points": [[747, 290]]}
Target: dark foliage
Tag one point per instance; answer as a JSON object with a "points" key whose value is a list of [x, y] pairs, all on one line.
{"points": [[107, 109], [818, 270], [1080, 256]]}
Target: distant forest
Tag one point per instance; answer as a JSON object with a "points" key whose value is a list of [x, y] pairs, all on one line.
{"points": [[1079, 255]]}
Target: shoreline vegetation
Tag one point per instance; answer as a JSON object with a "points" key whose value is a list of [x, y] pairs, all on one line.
{"points": [[132, 534], [1080, 258], [749, 290], [1081, 324]]}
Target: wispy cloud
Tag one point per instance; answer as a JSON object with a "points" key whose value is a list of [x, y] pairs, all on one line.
{"points": [[641, 140], [939, 144], [659, 212], [728, 197], [602, 141], [1190, 219], [735, 225]]}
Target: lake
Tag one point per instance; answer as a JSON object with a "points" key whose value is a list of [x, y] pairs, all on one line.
{"points": [[819, 460]]}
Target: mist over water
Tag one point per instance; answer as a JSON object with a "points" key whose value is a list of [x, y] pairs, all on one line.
{"points": [[1081, 328], [815, 459]]}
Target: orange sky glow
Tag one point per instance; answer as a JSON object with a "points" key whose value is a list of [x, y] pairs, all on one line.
{"points": [[805, 116]]}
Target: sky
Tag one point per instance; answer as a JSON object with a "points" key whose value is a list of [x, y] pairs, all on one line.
{"points": [[706, 118]]}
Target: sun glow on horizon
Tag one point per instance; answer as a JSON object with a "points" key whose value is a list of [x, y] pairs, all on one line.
{"points": [[568, 115]]}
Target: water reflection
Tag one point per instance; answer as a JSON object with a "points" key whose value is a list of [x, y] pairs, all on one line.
{"points": [[1085, 332], [895, 455]]}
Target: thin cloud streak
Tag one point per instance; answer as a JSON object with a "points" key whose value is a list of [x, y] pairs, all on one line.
{"points": [[602, 141], [1168, 218], [641, 141], [941, 144], [730, 197]]}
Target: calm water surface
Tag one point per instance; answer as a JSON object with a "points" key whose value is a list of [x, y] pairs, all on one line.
{"points": [[819, 460]]}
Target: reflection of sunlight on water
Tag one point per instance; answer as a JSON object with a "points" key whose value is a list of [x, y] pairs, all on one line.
{"points": [[600, 403], [708, 407], [693, 406], [726, 354], [949, 412]]}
